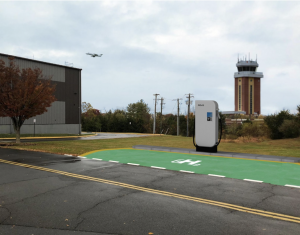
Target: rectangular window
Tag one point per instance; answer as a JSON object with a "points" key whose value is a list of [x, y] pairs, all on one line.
{"points": [[250, 99], [239, 97]]}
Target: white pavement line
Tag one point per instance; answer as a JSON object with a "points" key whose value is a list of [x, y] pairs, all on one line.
{"points": [[133, 164], [216, 175], [187, 171], [113, 161], [294, 186], [81, 156], [157, 167], [68, 155], [258, 181], [97, 159]]}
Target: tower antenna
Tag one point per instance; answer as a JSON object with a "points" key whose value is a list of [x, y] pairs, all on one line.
{"points": [[256, 58], [238, 57]]}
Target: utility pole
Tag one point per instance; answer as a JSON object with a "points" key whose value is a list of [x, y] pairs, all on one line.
{"points": [[188, 114], [161, 107], [154, 119], [178, 116]]}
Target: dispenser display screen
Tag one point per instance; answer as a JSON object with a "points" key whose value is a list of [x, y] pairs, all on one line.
{"points": [[209, 116]]}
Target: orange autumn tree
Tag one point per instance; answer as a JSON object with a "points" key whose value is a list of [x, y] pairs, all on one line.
{"points": [[23, 93]]}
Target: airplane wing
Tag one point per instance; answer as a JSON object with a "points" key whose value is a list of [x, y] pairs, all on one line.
{"points": [[94, 55]]}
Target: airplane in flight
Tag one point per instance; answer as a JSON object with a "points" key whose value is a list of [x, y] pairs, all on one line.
{"points": [[94, 55]]}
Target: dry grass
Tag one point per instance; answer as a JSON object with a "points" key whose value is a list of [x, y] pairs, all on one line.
{"points": [[245, 140], [284, 147]]}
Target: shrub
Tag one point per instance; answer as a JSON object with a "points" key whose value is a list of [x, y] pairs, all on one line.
{"points": [[234, 129], [290, 129], [274, 121], [253, 130]]}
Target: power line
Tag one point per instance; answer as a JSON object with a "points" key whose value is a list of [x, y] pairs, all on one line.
{"points": [[188, 114], [154, 119], [177, 114], [161, 107]]}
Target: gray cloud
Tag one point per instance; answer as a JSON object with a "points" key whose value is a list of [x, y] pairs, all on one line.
{"points": [[170, 48]]}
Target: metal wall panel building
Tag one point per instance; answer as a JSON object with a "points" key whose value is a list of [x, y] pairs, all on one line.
{"points": [[64, 115]]}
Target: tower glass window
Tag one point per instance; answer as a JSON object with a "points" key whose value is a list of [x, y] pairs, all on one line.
{"points": [[251, 101], [239, 97]]}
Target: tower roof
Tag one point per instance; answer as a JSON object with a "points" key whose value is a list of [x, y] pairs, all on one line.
{"points": [[248, 74], [251, 63], [247, 68]]}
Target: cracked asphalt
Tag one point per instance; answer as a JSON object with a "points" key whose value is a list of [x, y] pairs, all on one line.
{"points": [[39, 202]]}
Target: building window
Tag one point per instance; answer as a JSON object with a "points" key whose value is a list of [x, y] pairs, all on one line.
{"points": [[239, 97], [251, 99]]}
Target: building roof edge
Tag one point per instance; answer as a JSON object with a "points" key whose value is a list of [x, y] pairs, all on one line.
{"points": [[39, 61]]}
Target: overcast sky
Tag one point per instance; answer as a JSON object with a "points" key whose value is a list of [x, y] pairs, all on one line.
{"points": [[167, 47]]}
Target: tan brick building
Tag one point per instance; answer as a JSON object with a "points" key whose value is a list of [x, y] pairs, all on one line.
{"points": [[247, 87]]}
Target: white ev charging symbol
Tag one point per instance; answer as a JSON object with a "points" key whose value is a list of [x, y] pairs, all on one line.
{"points": [[189, 161]]}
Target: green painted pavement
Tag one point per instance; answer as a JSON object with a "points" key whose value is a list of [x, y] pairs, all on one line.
{"points": [[269, 172]]}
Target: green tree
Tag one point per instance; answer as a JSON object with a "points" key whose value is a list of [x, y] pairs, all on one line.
{"points": [[274, 121], [119, 121], [170, 124], [298, 114], [85, 107], [90, 118], [139, 117], [290, 129]]}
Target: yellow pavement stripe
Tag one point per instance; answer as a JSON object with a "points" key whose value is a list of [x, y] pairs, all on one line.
{"points": [[101, 150], [85, 154], [164, 193]]}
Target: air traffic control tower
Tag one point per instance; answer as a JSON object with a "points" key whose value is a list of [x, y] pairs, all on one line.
{"points": [[247, 87]]}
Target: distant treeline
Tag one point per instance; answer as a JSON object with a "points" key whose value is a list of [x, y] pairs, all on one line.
{"points": [[136, 118]]}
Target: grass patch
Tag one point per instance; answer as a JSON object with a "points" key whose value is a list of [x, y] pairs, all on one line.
{"points": [[284, 147]]}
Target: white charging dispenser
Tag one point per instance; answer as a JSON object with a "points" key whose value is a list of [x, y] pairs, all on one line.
{"points": [[206, 125]]}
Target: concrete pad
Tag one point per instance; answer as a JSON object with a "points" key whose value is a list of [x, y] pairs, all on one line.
{"points": [[161, 149], [180, 151], [142, 147], [232, 154], [289, 160], [269, 158], [200, 153], [222, 154], [245, 156]]}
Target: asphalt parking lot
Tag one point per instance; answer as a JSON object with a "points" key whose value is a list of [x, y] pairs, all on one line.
{"points": [[44, 193], [95, 136]]}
